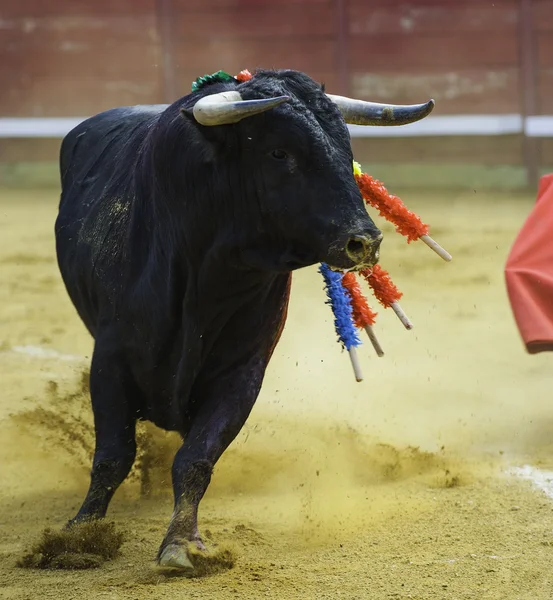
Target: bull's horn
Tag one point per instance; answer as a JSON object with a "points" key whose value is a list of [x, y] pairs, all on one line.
{"points": [[228, 107], [359, 112]]}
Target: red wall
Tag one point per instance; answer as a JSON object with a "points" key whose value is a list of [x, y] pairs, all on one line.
{"points": [[75, 58]]}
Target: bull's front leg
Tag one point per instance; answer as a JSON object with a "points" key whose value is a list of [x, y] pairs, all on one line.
{"points": [[223, 407]]}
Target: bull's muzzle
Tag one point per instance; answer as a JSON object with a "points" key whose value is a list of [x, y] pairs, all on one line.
{"points": [[363, 251]]}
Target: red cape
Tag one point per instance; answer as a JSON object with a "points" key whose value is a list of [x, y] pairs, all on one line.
{"points": [[529, 273]]}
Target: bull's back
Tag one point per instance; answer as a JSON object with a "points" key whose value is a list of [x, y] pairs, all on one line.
{"points": [[99, 146], [97, 160]]}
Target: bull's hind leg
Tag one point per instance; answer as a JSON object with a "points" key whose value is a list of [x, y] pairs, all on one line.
{"points": [[112, 394], [225, 406]]}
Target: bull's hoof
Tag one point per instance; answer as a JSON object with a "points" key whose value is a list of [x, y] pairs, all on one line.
{"points": [[175, 556]]}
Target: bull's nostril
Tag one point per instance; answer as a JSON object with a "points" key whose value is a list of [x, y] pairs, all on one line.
{"points": [[357, 247]]}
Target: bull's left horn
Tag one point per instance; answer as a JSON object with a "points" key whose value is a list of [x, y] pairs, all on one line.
{"points": [[359, 112], [228, 107]]}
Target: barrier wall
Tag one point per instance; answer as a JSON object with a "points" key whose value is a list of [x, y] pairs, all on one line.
{"points": [[488, 65]]}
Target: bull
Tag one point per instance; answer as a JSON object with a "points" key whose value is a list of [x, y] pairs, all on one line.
{"points": [[177, 232]]}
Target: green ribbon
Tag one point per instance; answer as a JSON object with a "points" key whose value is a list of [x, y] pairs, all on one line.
{"points": [[214, 77]]}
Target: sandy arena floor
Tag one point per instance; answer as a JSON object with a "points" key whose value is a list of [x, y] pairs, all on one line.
{"points": [[397, 487]]}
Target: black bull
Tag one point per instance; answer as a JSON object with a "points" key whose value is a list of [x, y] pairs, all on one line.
{"points": [[177, 232]]}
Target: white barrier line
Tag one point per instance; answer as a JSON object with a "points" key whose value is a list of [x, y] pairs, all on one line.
{"points": [[543, 480], [37, 127], [539, 126], [435, 125]]}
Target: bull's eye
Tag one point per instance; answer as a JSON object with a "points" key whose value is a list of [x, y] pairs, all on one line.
{"points": [[279, 154]]}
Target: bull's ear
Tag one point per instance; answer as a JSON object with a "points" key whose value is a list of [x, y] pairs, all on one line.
{"points": [[200, 138], [187, 113]]}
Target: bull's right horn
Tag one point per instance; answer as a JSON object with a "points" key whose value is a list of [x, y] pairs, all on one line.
{"points": [[228, 107], [360, 112]]}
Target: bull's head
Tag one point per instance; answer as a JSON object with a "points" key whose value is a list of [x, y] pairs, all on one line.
{"points": [[293, 148]]}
